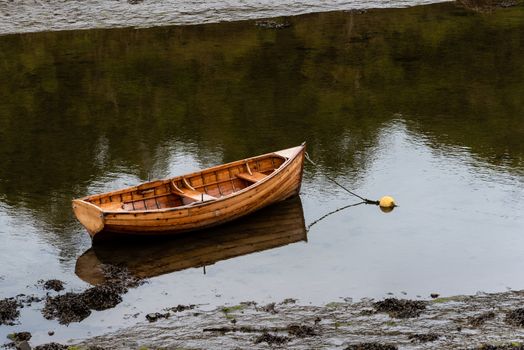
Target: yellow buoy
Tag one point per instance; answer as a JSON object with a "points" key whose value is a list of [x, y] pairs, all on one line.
{"points": [[386, 204]]}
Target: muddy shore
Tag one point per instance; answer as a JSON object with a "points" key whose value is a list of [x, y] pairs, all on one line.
{"points": [[25, 16], [482, 321], [466, 322]]}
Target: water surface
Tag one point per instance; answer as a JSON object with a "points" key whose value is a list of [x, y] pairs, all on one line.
{"points": [[424, 104]]}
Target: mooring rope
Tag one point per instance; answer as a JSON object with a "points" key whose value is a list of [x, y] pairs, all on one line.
{"points": [[331, 213], [364, 200]]}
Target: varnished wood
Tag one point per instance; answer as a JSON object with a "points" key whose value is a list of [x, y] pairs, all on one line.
{"points": [[253, 177], [195, 201], [275, 226]]}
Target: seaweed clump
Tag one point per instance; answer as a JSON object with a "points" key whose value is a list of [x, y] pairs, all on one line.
{"points": [[400, 308], [512, 346], [54, 284], [51, 346], [8, 311], [423, 338], [515, 317], [75, 307], [271, 339], [479, 320], [301, 331], [371, 346]]}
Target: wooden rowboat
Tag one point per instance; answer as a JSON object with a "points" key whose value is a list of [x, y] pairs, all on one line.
{"points": [[275, 226], [194, 201]]}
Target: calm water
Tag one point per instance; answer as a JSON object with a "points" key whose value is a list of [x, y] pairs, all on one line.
{"points": [[424, 104]]}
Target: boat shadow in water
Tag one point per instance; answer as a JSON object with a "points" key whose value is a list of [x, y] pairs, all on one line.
{"points": [[275, 226]]}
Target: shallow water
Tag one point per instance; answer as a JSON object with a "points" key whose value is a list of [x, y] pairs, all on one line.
{"points": [[424, 104]]}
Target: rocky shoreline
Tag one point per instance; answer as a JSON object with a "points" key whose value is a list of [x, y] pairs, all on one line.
{"points": [[482, 321]]}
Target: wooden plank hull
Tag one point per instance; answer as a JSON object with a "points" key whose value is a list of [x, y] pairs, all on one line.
{"points": [[275, 226], [280, 178]]}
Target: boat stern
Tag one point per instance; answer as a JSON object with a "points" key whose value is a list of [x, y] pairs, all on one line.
{"points": [[89, 215]]}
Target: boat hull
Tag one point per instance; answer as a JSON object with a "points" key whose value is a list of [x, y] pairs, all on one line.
{"points": [[284, 183]]}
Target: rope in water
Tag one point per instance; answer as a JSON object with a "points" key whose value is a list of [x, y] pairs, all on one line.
{"points": [[365, 200], [331, 213]]}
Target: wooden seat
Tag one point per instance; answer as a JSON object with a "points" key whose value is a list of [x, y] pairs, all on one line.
{"points": [[191, 192], [253, 177], [198, 196]]}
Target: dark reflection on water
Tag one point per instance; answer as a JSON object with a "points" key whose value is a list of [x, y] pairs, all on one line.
{"points": [[276, 226], [424, 104]]}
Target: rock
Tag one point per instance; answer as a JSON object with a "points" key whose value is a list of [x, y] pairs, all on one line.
{"points": [[20, 336], [24, 345], [153, 317], [434, 295], [400, 308], [180, 308]]}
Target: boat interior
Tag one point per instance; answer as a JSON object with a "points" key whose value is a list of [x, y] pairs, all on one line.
{"points": [[207, 185]]}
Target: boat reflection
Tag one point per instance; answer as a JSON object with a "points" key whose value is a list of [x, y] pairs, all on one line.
{"points": [[275, 226]]}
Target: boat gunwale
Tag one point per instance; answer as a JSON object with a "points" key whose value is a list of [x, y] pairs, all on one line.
{"points": [[204, 203]]}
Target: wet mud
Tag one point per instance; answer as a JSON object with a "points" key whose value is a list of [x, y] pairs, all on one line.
{"points": [[483, 321]]}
